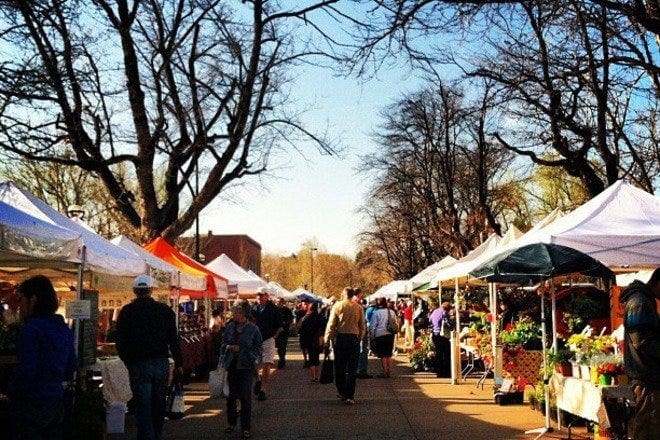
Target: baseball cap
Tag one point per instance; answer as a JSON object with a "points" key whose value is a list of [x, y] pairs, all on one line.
{"points": [[262, 291], [143, 281]]}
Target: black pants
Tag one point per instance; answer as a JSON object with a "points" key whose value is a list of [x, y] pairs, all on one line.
{"points": [[281, 342], [347, 353], [240, 388], [442, 356]]}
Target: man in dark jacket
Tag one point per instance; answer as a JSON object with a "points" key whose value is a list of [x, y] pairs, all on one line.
{"points": [[642, 354], [146, 335], [286, 316], [268, 320]]}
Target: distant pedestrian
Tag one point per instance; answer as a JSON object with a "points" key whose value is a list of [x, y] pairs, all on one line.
{"points": [[408, 327], [46, 359], [641, 354], [146, 337], [382, 339], [242, 347], [267, 318], [346, 326], [282, 340], [301, 311], [439, 320], [363, 361], [311, 329]]}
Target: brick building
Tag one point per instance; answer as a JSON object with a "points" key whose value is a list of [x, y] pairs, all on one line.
{"points": [[242, 249]]}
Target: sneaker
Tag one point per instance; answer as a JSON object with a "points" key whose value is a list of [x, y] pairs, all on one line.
{"points": [[246, 434], [261, 395], [349, 401], [257, 387]]}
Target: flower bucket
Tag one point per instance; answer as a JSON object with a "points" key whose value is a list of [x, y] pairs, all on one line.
{"points": [[585, 372], [575, 370], [565, 370], [605, 379]]}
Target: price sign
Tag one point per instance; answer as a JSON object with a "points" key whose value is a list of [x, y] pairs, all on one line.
{"points": [[79, 309]]}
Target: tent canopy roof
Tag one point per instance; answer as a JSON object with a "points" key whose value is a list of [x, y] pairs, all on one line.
{"points": [[101, 255], [216, 285], [620, 227], [235, 274]]}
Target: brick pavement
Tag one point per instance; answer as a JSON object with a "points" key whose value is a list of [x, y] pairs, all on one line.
{"points": [[407, 406]]}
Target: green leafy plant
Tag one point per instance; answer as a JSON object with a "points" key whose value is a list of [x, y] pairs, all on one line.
{"points": [[523, 332], [422, 355], [87, 419], [9, 337], [561, 356]]}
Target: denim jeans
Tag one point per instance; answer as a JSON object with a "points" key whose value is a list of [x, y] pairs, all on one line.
{"points": [[240, 388], [363, 361], [347, 352], [149, 386]]}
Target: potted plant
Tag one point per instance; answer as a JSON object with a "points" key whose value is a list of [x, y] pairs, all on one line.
{"points": [[88, 414], [524, 332], [561, 359]]}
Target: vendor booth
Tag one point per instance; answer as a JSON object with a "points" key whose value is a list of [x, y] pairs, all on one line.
{"points": [[390, 291], [246, 284]]}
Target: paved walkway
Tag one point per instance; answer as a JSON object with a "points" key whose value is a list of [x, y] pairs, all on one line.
{"points": [[406, 406]]}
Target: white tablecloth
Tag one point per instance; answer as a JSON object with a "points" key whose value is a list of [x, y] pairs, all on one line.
{"points": [[116, 384], [583, 398]]}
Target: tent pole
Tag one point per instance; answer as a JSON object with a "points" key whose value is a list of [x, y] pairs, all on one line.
{"points": [[456, 339], [547, 428], [79, 295], [492, 290], [553, 308]]}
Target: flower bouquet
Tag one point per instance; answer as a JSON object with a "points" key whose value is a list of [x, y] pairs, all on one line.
{"points": [[422, 354], [607, 371]]}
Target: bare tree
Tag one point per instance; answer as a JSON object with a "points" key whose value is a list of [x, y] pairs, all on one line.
{"points": [[437, 180], [573, 78], [175, 87], [62, 186]]}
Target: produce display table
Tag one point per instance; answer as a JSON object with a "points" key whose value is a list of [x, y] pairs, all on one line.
{"points": [[116, 384], [583, 398]]}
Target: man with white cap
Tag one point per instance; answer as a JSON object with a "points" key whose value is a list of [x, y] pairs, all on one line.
{"points": [[146, 336], [267, 318]]}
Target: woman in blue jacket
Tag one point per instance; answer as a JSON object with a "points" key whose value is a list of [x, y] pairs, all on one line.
{"points": [[241, 344], [46, 359]]}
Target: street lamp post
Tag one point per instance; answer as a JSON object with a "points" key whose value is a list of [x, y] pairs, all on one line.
{"points": [[311, 252]]}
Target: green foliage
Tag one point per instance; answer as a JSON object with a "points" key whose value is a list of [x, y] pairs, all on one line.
{"points": [[88, 415], [9, 337], [422, 355], [582, 308], [522, 332], [561, 356]]}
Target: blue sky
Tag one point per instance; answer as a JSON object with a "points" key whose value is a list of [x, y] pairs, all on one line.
{"points": [[315, 196]]}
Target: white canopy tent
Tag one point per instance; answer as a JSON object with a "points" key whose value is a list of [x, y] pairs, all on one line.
{"points": [[100, 255], [235, 274], [389, 291], [456, 272], [620, 227], [26, 241], [428, 274], [277, 291], [177, 278]]}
